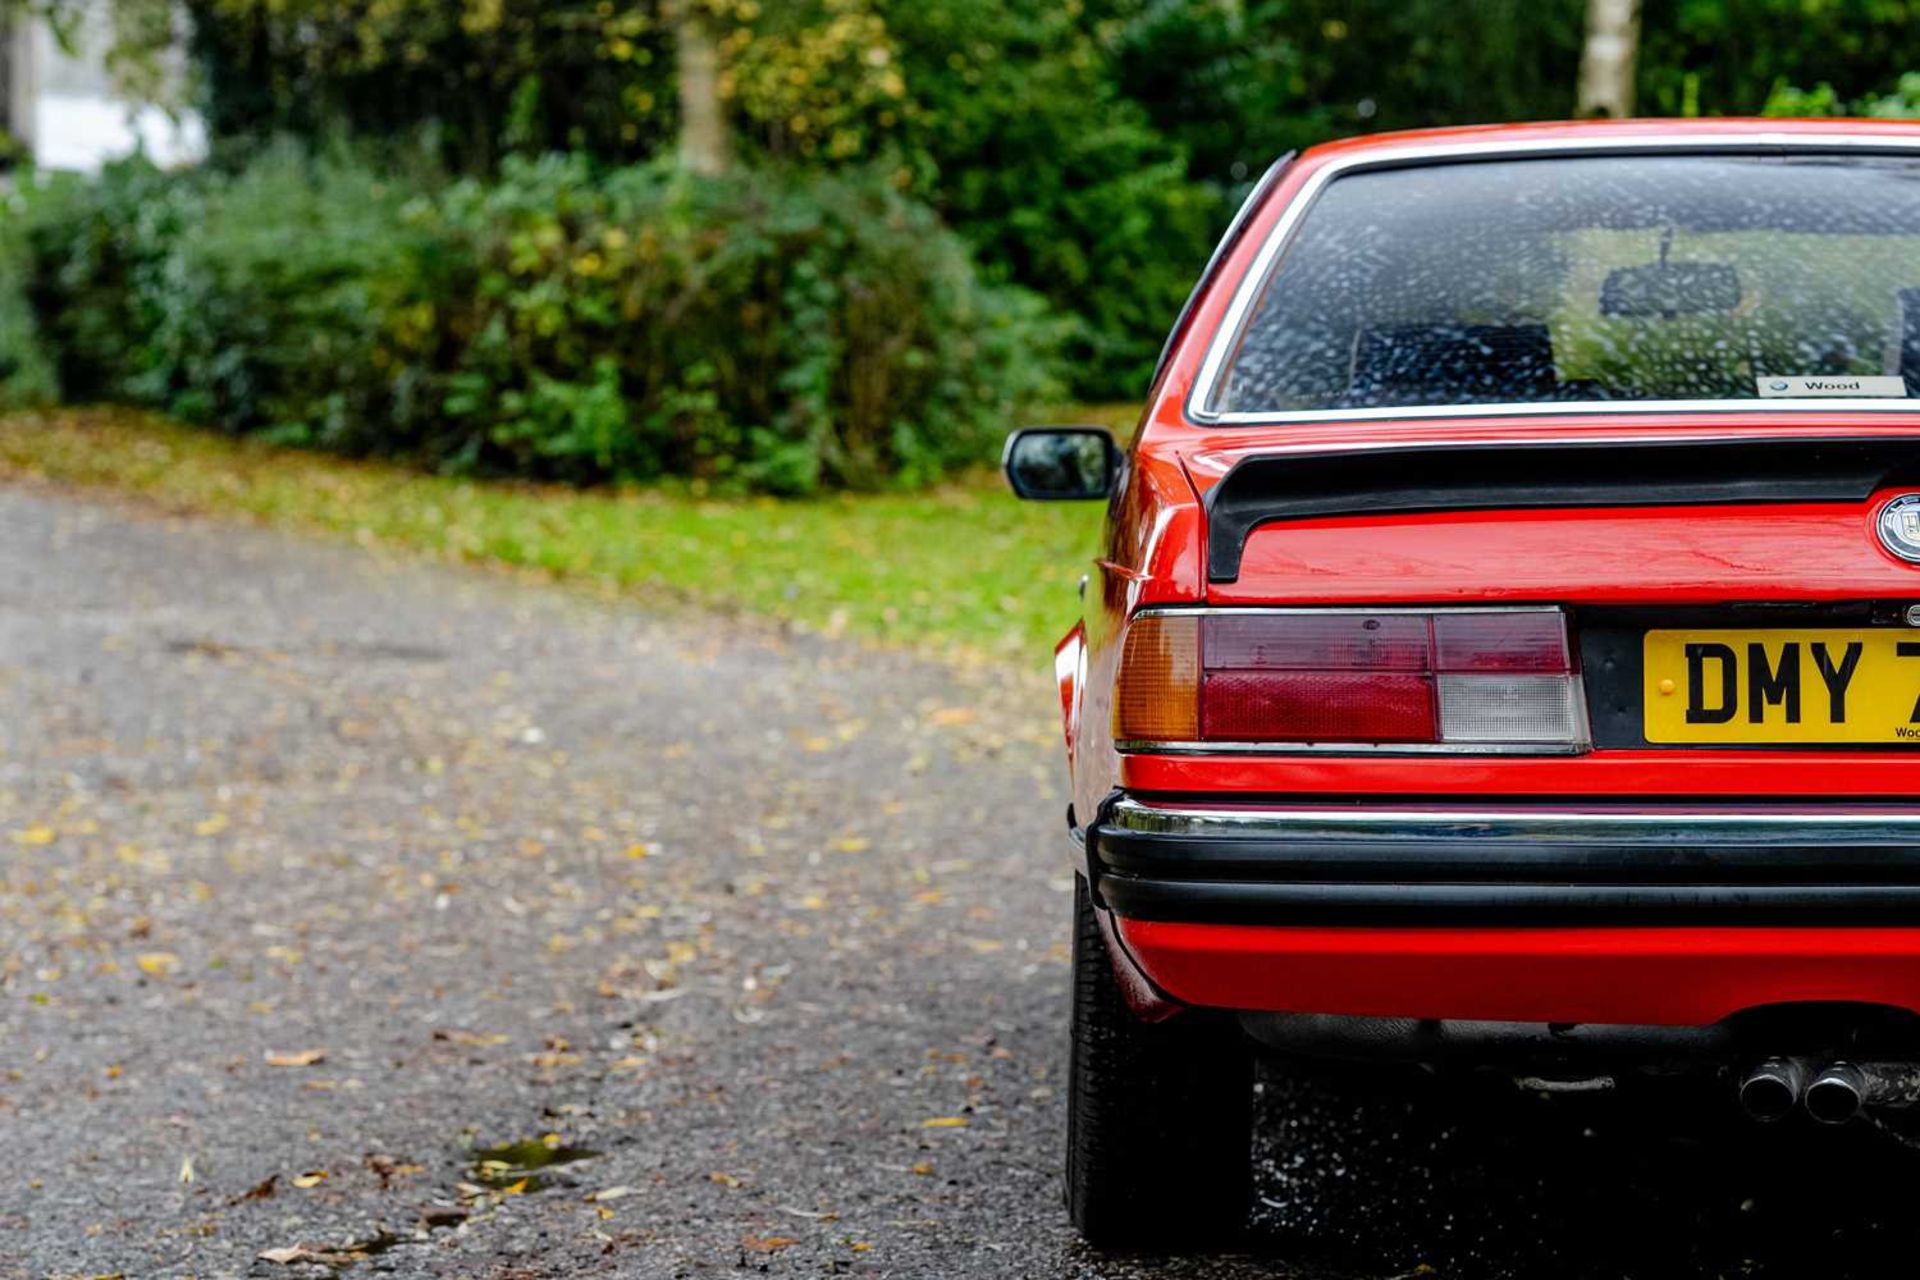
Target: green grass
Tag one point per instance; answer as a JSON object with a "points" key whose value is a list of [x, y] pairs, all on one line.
{"points": [[964, 570]]}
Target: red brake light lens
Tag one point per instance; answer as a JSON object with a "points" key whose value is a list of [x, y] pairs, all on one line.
{"points": [[1316, 706], [1317, 641], [1506, 641], [1466, 678]]}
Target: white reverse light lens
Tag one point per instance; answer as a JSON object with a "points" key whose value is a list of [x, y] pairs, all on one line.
{"points": [[1486, 708]]}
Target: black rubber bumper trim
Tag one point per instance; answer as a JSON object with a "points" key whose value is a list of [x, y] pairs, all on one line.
{"points": [[1464, 879], [1439, 859]]}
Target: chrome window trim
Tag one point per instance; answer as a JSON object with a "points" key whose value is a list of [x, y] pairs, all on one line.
{"points": [[1149, 747], [1232, 325]]}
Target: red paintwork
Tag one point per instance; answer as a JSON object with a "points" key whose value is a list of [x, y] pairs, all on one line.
{"points": [[1068, 658], [1672, 977], [1624, 774], [1153, 553], [1677, 554]]}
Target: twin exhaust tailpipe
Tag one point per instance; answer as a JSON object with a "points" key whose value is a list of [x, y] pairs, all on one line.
{"points": [[1832, 1094]]}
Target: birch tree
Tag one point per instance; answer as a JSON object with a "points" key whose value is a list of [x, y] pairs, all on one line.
{"points": [[705, 147], [1606, 60]]}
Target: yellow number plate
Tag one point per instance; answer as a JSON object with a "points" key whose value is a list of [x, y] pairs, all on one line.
{"points": [[1783, 686]]}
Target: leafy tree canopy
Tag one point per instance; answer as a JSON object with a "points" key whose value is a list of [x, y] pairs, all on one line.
{"points": [[1089, 149]]}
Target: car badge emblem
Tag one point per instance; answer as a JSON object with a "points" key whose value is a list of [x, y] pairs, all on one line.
{"points": [[1899, 526]]}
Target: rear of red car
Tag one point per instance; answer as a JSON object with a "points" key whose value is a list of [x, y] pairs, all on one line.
{"points": [[1506, 645]]}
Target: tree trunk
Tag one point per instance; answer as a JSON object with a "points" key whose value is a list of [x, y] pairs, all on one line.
{"points": [[1606, 63], [704, 146]]}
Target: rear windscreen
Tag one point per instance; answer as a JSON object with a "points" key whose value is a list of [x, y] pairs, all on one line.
{"points": [[1670, 277]]}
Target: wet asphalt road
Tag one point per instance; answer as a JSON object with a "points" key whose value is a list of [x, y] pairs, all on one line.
{"points": [[322, 873]]}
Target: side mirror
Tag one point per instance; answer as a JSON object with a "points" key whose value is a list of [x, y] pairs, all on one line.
{"points": [[1052, 464]]}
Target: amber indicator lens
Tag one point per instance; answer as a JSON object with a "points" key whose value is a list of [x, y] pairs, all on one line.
{"points": [[1156, 698]]}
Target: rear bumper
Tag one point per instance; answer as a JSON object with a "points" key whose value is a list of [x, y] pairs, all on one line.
{"points": [[1523, 866], [1660, 915]]}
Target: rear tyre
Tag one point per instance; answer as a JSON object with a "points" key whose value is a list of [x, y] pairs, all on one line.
{"points": [[1159, 1116]]}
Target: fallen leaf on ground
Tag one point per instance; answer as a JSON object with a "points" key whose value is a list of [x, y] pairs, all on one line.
{"points": [[186, 1170], [345, 1255], [725, 1180], [262, 1190], [386, 1168], [157, 964], [297, 1058], [945, 1122], [313, 1179], [765, 1244], [34, 836], [611, 1193]]}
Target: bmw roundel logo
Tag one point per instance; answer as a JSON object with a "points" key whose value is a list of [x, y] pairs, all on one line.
{"points": [[1899, 526], [1777, 385]]}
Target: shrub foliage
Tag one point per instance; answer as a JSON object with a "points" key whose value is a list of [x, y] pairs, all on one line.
{"points": [[1088, 150], [769, 330]]}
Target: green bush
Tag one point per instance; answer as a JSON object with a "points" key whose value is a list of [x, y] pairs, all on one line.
{"points": [[1005, 116], [1727, 57], [561, 322], [783, 333], [1023, 139], [87, 255], [1903, 103], [27, 376]]}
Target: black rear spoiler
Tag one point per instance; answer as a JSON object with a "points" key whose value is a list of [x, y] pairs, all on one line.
{"points": [[1266, 489]]}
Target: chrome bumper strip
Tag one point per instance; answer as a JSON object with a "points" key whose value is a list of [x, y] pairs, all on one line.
{"points": [[1669, 825]]}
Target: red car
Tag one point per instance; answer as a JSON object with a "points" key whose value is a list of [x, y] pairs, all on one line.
{"points": [[1505, 646]]}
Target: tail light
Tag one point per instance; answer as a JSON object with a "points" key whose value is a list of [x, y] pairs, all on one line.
{"points": [[1464, 679]]}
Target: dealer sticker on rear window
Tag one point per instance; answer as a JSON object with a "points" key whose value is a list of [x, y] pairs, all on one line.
{"points": [[1776, 387]]}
